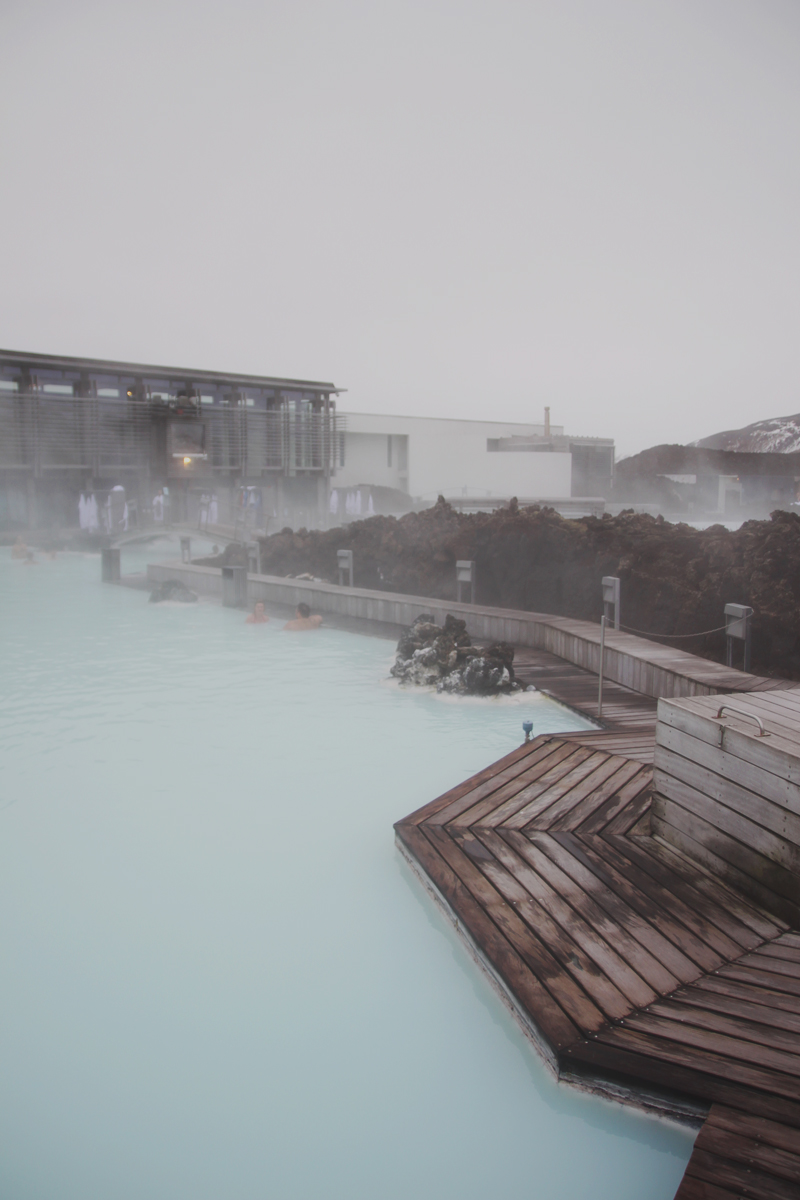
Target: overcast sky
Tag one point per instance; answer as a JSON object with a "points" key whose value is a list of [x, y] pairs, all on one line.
{"points": [[456, 209]]}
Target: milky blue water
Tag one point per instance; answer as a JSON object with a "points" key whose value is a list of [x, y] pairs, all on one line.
{"points": [[220, 979]]}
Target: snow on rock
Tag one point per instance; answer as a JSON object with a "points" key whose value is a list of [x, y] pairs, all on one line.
{"points": [[778, 435]]}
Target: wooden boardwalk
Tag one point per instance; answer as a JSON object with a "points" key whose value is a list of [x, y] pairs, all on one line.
{"points": [[627, 960], [629, 718]]}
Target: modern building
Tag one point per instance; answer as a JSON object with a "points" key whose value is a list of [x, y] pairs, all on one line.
{"points": [[72, 425], [256, 451], [471, 461]]}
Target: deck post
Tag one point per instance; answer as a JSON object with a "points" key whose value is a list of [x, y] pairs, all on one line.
{"points": [[186, 549], [234, 587], [345, 561], [109, 564], [600, 675], [738, 624], [465, 573]]}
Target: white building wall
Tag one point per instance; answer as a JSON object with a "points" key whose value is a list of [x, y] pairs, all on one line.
{"points": [[432, 455]]}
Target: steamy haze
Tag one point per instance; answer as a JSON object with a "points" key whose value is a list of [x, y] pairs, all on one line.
{"points": [[448, 209]]}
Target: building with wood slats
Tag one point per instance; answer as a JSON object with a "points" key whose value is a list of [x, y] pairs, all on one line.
{"points": [[69, 425]]}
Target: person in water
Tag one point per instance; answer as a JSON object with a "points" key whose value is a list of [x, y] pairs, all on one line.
{"points": [[257, 616], [303, 620]]}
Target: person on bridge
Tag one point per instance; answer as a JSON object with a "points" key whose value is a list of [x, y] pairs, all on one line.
{"points": [[303, 620], [257, 616]]}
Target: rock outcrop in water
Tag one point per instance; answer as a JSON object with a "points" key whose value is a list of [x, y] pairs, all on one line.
{"points": [[443, 656], [172, 589]]}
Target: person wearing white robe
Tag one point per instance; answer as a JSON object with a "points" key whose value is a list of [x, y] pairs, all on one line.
{"points": [[117, 509], [92, 513], [333, 504], [83, 519], [370, 507], [213, 510], [158, 508]]}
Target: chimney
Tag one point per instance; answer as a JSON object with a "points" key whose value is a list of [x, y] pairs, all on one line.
{"points": [[547, 421]]}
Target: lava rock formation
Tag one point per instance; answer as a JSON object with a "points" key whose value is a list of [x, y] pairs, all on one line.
{"points": [[429, 654]]}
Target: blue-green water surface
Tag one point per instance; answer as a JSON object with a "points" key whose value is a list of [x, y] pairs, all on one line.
{"points": [[220, 979]]}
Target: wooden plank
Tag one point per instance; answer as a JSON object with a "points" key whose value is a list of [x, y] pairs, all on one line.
{"points": [[568, 761], [726, 818], [509, 776], [640, 943], [595, 798], [690, 835], [577, 1005], [781, 949], [775, 817], [736, 1006], [749, 992], [685, 902], [619, 800], [765, 979], [587, 936], [743, 913], [758, 1129], [719, 1043], [766, 962], [653, 1050], [701, 1189], [663, 911], [529, 990], [487, 799], [601, 779], [687, 1072], [774, 787], [588, 764], [779, 757], [508, 761], [574, 946], [745, 1029], [746, 1181]]}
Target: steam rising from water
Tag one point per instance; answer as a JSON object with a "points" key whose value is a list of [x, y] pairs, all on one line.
{"points": [[220, 978]]}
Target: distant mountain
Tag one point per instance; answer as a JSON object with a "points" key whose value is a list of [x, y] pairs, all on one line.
{"points": [[778, 435]]}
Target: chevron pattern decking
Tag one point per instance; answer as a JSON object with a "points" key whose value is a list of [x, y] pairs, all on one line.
{"points": [[634, 964]]}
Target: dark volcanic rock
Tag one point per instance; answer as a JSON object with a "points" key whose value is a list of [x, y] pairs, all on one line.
{"points": [[429, 654], [172, 589], [675, 579]]}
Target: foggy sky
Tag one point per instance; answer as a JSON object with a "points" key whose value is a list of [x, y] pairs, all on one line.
{"points": [[455, 209]]}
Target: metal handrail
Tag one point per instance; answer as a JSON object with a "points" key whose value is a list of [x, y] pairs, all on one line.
{"points": [[749, 716]]}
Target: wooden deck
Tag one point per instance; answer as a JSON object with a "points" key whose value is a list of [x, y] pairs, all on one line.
{"points": [[629, 718], [630, 964], [737, 1155]]}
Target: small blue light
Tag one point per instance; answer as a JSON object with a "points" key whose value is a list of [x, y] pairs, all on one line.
{"points": [[527, 727]]}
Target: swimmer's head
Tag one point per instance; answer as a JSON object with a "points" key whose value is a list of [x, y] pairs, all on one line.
{"points": [[303, 611], [259, 608]]}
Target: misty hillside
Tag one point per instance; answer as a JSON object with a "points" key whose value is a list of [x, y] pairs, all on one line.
{"points": [[779, 435]]}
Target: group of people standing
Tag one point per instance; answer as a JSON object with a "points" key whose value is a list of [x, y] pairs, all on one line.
{"points": [[351, 502], [112, 515]]}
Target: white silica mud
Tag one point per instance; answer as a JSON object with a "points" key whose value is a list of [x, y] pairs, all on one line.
{"points": [[220, 978]]}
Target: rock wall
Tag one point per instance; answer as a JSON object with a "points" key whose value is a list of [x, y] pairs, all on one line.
{"points": [[675, 579]]}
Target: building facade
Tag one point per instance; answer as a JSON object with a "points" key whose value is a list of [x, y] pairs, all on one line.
{"points": [[424, 457], [69, 425], [207, 441]]}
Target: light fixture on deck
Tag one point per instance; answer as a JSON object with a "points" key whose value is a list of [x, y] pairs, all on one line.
{"points": [[187, 462], [528, 729]]}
